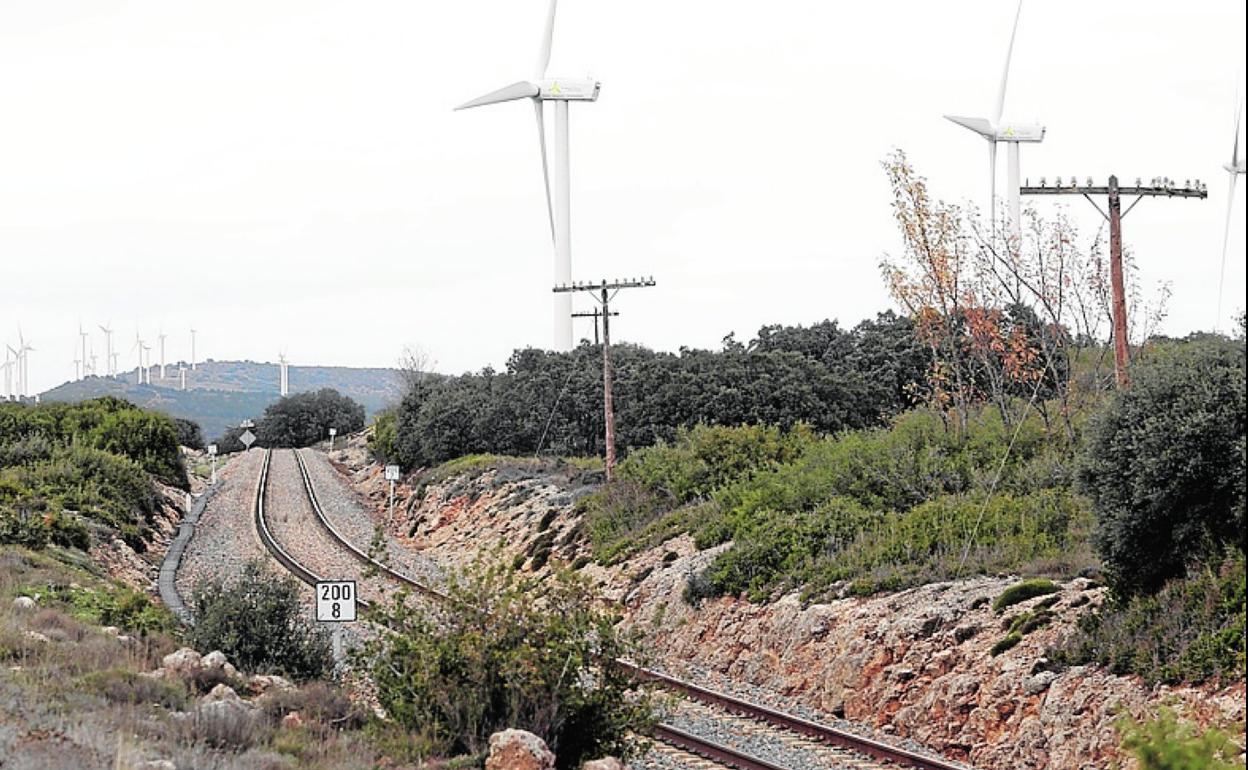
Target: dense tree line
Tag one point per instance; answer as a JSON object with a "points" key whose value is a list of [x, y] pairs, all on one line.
{"points": [[551, 403], [299, 420]]}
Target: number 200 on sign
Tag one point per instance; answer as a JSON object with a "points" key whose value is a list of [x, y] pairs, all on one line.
{"points": [[335, 601]]}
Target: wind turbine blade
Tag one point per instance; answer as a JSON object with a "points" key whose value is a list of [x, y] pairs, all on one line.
{"points": [[1239, 108], [1226, 239], [980, 126], [540, 112], [548, 35], [521, 90], [1005, 73]]}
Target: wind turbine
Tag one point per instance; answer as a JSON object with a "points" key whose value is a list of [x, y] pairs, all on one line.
{"points": [[192, 348], [23, 365], [10, 360], [161, 337], [77, 364], [82, 336], [283, 375], [140, 347], [1235, 167], [1012, 134], [110, 361], [561, 91]]}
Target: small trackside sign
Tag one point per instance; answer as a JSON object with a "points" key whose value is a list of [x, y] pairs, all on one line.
{"points": [[335, 601], [392, 473]]}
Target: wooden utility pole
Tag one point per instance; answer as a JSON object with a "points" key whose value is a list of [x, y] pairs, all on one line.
{"points": [[603, 293], [1160, 187], [594, 314]]}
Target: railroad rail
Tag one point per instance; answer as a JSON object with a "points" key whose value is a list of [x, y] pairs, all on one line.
{"points": [[666, 733]]}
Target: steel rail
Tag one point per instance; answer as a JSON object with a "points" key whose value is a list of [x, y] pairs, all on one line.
{"points": [[355, 551], [663, 732]]}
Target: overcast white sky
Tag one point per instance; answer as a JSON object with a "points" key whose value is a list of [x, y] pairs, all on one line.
{"points": [[291, 176]]}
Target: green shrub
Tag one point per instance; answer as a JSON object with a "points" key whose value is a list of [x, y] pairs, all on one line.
{"points": [[1164, 743], [259, 621], [509, 652], [1165, 465], [1021, 592], [381, 443], [1192, 630], [305, 418], [1007, 642], [125, 686]]}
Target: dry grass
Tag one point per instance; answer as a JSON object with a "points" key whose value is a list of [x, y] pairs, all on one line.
{"points": [[71, 696]]}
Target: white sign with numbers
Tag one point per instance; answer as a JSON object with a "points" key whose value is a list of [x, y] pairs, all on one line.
{"points": [[335, 601], [392, 473], [212, 449]]}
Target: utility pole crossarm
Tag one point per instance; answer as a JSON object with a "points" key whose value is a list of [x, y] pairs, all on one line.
{"points": [[603, 292], [1158, 187]]}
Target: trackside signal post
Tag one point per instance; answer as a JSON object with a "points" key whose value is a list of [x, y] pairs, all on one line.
{"points": [[603, 293], [392, 475], [1161, 187]]}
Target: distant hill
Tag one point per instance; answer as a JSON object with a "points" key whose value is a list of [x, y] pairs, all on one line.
{"points": [[223, 393]]}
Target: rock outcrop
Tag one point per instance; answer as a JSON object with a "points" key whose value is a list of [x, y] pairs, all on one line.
{"points": [[518, 750]]}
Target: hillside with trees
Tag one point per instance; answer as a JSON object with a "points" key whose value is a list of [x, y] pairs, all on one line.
{"points": [[223, 393]]}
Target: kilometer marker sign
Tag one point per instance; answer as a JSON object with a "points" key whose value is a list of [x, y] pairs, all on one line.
{"points": [[335, 601]]}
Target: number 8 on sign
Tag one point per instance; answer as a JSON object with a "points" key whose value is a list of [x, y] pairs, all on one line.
{"points": [[335, 601]]}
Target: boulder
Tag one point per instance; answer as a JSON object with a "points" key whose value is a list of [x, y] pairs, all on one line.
{"points": [[292, 720], [217, 663], [606, 763], [156, 764], [518, 750], [261, 684], [220, 693], [36, 637], [183, 663], [23, 603]]}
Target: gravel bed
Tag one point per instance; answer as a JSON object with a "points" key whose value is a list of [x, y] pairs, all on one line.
{"points": [[716, 681], [663, 757], [358, 522], [764, 741], [224, 537]]}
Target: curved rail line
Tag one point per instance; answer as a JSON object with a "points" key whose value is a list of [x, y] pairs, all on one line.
{"points": [[663, 732]]}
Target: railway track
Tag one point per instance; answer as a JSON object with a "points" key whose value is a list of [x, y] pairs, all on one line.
{"points": [[843, 749]]}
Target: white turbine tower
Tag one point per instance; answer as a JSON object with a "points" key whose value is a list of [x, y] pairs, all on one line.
{"points": [[110, 361], [193, 348], [1012, 134], [10, 361], [82, 337], [77, 363], [161, 337], [283, 375], [1235, 167], [139, 347], [23, 365], [558, 204]]}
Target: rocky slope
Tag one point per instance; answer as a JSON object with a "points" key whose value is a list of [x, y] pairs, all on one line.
{"points": [[918, 664]]}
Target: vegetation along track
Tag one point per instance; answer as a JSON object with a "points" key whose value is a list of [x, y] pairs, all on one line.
{"points": [[805, 743]]}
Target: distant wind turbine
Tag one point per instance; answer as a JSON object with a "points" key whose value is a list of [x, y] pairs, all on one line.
{"points": [[193, 348], [1235, 167], [161, 337], [82, 336], [139, 347], [558, 204], [23, 364], [283, 375], [1012, 134], [10, 361], [110, 361]]}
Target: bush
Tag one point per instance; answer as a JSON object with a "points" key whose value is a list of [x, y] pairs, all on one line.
{"points": [[510, 652], [305, 418], [1192, 630], [125, 686], [1165, 465], [189, 433], [1021, 592], [259, 621], [1163, 743], [382, 443]]}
